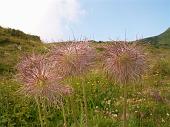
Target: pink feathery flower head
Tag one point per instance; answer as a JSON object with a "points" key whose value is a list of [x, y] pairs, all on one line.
{"points": [[39, 78], [124, 61], [73, 58]]}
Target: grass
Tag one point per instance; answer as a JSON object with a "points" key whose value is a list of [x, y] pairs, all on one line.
{"points": [[148, 99], [104, 102], [161, 40]]}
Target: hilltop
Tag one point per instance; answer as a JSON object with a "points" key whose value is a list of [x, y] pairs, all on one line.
{"points": [[162, 40], [14, 43], [10, 36]]}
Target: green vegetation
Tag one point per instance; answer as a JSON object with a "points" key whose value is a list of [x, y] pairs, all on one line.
{"points": [[13, 44], [162, 40], [148, 99]]}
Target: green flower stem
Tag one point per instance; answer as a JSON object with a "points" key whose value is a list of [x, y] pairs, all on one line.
{"points": [[73, 107], [39, 111], [85, 106], [64, 116], [125, 123]]}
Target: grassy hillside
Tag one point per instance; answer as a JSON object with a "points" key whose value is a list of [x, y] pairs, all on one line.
{"points": [[162, 40], [14, 43]]}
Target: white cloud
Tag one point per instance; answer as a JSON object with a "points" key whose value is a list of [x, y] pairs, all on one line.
{"points": [[46, 18]]}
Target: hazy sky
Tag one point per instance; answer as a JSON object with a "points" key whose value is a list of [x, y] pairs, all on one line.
{"points": [[55, 20]]}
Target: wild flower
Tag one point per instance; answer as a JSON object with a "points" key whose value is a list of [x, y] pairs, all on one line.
{"points": [[40, 79], [125, 62], [73, 58], [116, 110], [163, 121], [114, 115], [108, 102]]}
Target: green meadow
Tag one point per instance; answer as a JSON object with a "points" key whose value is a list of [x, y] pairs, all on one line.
{"points": [[148, 98]]}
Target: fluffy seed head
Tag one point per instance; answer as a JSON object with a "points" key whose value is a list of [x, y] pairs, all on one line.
{"points": [[73, 58], [124, 61], [39, 78]]}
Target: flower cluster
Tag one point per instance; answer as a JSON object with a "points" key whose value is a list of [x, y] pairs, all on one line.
{"points": [[73, 58], [40, 78], [41, 75], [124, 61]]}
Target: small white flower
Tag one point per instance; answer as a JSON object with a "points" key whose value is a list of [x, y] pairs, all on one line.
{"points": [[114, 115], [163, 121], [108, 102], [116, 110]]}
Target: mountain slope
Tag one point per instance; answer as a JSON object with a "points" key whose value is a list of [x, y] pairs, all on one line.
{"points": [[162, 40], [14, 43]]}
